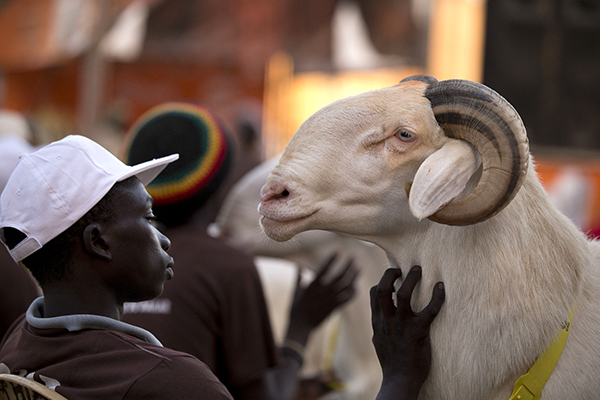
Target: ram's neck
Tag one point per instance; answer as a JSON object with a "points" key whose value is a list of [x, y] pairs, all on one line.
{"points": [[510, 282], [521, 253]]}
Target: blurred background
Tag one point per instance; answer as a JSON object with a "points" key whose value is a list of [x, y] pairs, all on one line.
{"points": [[93, 66]]}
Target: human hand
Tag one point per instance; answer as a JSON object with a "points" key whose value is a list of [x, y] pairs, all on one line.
{"points": [[312, 305], [401, 336]]}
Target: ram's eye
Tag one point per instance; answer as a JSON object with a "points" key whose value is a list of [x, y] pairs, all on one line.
{"points": [[405, 135]]}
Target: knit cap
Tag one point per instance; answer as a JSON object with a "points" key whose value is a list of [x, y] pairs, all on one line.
{"points": [[205, 156]]}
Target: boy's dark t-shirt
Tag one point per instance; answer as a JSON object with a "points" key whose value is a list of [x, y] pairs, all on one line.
{"points": [[92, 357]]}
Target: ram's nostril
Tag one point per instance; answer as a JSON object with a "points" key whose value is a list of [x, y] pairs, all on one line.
{"points": [[275, 192]]}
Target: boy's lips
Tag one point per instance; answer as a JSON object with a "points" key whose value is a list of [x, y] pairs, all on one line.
{"points": [[169, 269]]}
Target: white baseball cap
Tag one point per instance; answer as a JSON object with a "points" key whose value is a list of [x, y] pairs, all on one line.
{"points": [[54, 187]]}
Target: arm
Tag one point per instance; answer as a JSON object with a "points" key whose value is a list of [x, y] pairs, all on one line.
{"points": [[309, 308], [400, 336]]}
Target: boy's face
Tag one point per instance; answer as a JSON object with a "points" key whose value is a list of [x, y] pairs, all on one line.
{"points": [[140, 265]]}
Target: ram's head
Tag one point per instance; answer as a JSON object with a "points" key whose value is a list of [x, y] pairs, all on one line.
{"points": [[454, 152]]}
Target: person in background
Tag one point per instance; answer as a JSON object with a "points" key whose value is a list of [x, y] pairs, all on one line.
{"points": [[215, 309], [17, 287]]}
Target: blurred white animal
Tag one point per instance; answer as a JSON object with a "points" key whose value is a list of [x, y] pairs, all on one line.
{"points": [[354, 360]]}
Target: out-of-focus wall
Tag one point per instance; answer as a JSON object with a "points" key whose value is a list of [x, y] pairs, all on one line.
{"points": [[574, 187]]}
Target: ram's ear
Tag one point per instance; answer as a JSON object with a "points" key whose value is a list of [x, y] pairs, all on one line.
{"points": [[442, 177]]}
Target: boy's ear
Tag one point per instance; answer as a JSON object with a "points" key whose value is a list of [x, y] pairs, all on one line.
{"points": [[95, 242]]}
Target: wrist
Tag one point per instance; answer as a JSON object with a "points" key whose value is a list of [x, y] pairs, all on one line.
{"points": [[294, 350]]}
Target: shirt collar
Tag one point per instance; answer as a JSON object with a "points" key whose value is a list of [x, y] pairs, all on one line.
{"points": [[77, 322]]}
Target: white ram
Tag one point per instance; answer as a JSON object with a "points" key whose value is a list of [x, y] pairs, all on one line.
{"points": [[439, 174], [354, 360]]}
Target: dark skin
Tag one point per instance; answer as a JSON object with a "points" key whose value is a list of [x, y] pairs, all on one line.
{"points": [[401, 336], [118, 261]]}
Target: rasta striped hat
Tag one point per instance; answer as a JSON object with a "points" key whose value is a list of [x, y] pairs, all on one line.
{"points": [[205, 156]]}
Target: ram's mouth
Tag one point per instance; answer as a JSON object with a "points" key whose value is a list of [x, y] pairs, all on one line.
{"points": [[282, 228], [278, 219]]}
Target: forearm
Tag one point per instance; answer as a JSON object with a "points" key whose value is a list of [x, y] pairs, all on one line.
{"points": [[400, 388], [297, 333]]}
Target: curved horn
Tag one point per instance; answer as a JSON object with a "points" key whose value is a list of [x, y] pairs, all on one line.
{"points": [[475, 113]]}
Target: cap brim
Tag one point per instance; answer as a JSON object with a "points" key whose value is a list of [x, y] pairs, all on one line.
{"points": [[147, 171]]}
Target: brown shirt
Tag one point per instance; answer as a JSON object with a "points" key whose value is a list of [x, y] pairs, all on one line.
{"points": [[92, 357], [213, 308]]}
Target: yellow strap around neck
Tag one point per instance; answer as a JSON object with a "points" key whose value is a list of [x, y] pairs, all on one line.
{"points": [[530, 385]]}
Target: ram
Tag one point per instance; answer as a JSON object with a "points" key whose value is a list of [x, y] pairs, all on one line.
{"points": [[343, 347], [439, 174]]}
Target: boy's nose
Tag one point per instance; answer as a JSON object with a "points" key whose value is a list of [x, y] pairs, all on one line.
{"points": [[165, 243]]}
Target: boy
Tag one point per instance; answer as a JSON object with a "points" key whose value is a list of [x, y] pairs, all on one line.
{"points": [[81, 221]]}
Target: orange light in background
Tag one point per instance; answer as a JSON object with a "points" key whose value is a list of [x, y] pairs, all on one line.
{"points": [[290, 99], [311, 92], [276, 104], [457, 39]]}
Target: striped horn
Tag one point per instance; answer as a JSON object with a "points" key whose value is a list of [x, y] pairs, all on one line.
{"points": [[475, 113]]}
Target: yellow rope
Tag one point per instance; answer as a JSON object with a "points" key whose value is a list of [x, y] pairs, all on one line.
{"points": [[530, 385]]}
